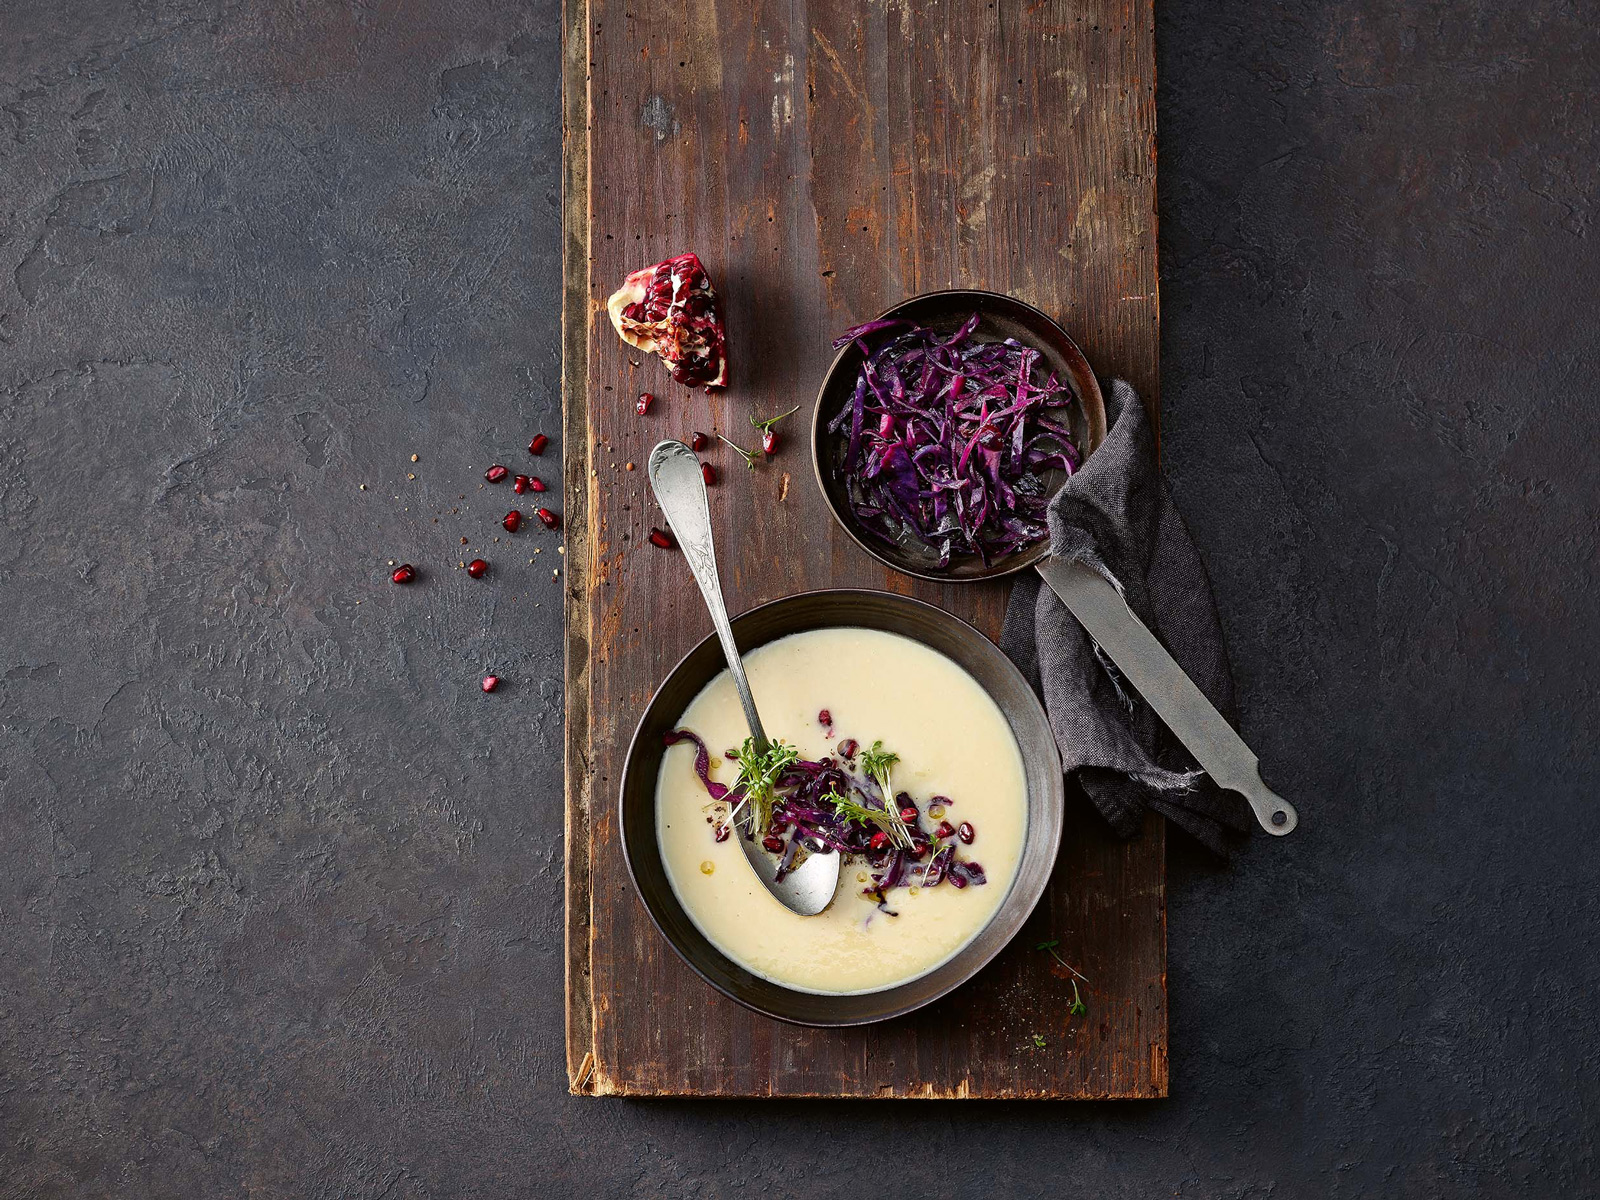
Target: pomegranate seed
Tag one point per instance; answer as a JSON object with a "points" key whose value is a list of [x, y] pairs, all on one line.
{"points": [[538, 444], [908, 815], [551, 521], [769, 441], [404, 573], [779, 827], [958, 881], [520, 484], [476, 568], [708, 473], [880, 840], [496, 473], [643, 403], [824, 717], [720, 833], [535, 484], [965, 832], [513, 521], [773, 843], [945, 829], [848, 748], [660, 537], [490, 682], [697, 441]]}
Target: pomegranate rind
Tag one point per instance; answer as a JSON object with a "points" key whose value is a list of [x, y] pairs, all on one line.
{"points": [[670, 309]]}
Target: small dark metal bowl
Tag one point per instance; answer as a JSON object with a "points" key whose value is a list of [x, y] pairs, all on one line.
{"points": [[999, 317], [953, 638]]}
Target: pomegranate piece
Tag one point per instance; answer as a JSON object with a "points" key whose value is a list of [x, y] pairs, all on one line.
{"points": [[538, 444], [965, 832], [773, 843], [535, 484], [824, 717], [698, 441], [908, 815], [671, 309], [945, 830], [521, 484], [490, 682], [708, 473], [769, 441], [513, 521], [404, 573], [643, 403], [549, 519], [880, 840], [496, 473], [848, 748], [660, 537], [476, 568], [719, 832]]}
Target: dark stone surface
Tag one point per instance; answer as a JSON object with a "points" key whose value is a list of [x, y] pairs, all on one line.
{"points": [[280, 890]]}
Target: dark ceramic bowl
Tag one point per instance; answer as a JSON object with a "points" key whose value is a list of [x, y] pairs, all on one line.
{"points": [[953, 638], [999, 317]]}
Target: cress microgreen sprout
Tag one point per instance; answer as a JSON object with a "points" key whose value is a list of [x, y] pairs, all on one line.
{"points": [[748, 455]]}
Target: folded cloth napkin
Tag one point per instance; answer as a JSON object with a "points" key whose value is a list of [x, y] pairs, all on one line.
{"points": [[1116, 516]]}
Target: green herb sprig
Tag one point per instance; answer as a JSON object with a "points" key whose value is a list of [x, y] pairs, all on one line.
{"points": [[748, 455], [759, 771], [878, 764]]}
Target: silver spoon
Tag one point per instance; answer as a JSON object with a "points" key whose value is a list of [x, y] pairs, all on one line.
{"points": [[681, 491]]}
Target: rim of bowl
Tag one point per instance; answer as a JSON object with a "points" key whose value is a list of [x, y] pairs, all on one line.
{"points": [[1052, 809], [1086, 388]]}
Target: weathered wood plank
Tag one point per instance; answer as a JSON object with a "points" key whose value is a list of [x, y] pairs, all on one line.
{"points": [[824, 162]]}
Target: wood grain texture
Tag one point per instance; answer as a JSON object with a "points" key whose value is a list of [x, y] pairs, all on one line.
{"points": [[826, 161]]}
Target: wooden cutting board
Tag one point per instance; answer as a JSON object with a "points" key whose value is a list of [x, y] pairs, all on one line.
{"points": [[826, 160]]}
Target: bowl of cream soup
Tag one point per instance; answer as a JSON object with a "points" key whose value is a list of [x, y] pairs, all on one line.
{"points": [[974, 775]]}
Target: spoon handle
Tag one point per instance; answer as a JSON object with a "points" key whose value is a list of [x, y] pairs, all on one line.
{"points": [[681, 491]]}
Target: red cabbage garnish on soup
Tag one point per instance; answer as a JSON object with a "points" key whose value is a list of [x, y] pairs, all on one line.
{"points": [[950, 439], [793, 806]]}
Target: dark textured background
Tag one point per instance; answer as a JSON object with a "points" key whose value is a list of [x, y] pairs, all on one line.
{"points": [[280, 898]]}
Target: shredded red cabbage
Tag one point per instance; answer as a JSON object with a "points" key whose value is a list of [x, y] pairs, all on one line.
{"points": [[803, 819], [950, 439]]}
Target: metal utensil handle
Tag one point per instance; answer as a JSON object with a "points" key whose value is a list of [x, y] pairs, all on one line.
{"points": [[1146, 664], [681, 491]]}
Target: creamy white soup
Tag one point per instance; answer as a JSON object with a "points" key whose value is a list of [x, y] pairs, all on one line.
{"points": [[952, 741]]}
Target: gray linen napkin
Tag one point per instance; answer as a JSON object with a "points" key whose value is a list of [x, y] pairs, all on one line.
{"points": [[1116, 516]]}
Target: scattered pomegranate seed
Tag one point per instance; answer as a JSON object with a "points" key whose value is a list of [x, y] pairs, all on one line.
{"points": [[660, 537], [769, 441], [779, 827], [908, 815], [538, 444], [476, 568], [535, 484], [513, 521], [496, 473], [643, 403], [708, 473], [404, 573], [697, 441], [720, 833], [958, 881], [965, 832], [490, 682], [773, 843], [550, 520], [520, 484], [848, 748], [945, 829], [880, 840], [824, 717]]}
